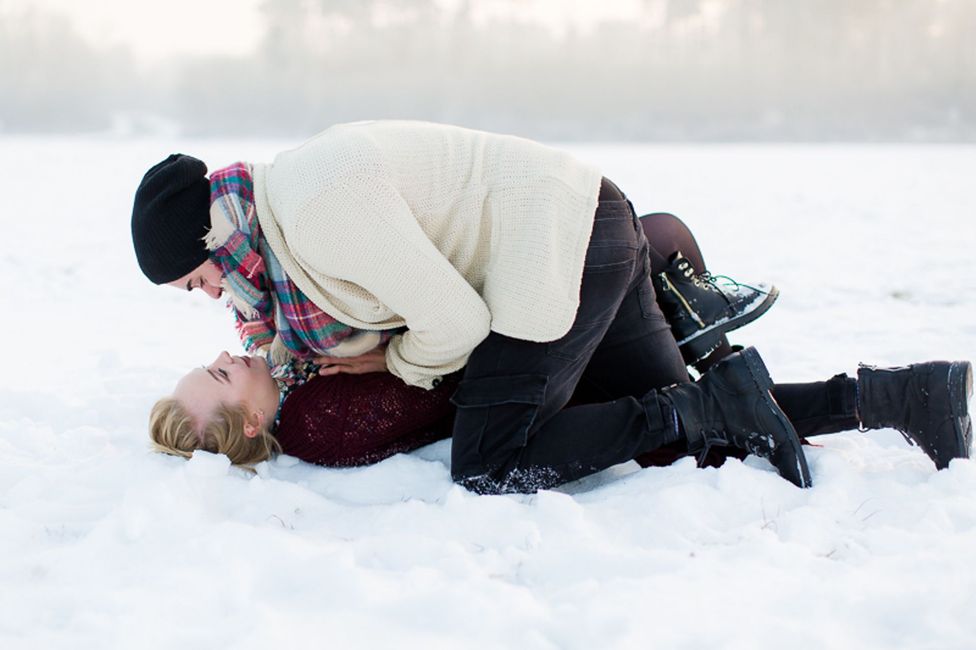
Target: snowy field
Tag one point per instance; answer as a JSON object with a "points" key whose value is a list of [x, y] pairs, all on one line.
{"points": [[104, 544]]}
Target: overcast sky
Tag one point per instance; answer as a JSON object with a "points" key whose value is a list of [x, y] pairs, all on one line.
{"points": [[155, 30], [689, 69], [158, 29]]}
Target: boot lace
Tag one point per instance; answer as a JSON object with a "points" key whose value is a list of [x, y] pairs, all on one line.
{"points": [[702, 280], [708, 281]]}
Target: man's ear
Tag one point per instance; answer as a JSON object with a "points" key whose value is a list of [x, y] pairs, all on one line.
{"points": [[252, 425]]}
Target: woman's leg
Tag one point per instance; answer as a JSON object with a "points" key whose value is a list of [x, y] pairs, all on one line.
{"points": [[813, 408], [821, 407], [666, 235]]}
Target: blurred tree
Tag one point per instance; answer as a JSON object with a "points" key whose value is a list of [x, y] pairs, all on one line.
{"points": [[677, 69], [53, 80]]}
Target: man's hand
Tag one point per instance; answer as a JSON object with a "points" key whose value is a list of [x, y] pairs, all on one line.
{"points": [[372, 361]]}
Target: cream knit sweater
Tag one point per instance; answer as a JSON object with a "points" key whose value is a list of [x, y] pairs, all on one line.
{"points": [[449, 231]]}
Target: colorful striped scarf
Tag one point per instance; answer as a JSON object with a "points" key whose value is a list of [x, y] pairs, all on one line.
{"points": [[272, 315]]}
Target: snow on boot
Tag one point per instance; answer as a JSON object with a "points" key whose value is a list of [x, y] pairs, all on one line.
{"points": [[701, 310], [732, 405], [927, 402]]}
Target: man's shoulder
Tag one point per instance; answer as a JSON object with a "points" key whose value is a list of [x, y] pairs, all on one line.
{"points": [[320, 167], [339, 148]]}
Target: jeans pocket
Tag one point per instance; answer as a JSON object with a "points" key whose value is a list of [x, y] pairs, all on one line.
{"points": [[494, 416]]}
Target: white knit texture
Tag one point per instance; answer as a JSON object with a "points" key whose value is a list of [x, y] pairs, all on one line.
{"points": [[449, 231]]}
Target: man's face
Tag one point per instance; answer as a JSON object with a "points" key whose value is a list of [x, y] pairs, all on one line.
{"points": [[205, 277]]}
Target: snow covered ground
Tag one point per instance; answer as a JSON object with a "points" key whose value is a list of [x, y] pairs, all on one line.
{"points": [[104, 544]]}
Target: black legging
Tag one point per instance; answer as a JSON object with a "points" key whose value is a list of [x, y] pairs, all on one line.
{"points": [[814, 408]]}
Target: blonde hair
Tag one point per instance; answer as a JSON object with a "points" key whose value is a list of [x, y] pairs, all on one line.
{"points": [[173, 431]]}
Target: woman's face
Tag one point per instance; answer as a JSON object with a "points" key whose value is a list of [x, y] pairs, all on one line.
{"points": [[231, 381], [205, 277]]}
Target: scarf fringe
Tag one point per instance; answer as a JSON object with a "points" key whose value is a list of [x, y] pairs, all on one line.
{"points": [[240, 304], [220, 229], [279, 354]]}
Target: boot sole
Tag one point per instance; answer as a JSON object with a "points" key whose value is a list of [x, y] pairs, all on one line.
{"points": [[757, 368], [960, 392], [700, 344]]}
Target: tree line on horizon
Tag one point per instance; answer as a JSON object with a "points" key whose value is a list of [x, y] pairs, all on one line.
{"points": [[680, 70]]}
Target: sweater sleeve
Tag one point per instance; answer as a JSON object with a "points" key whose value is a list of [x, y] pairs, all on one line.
{"points": [[362, 231]]}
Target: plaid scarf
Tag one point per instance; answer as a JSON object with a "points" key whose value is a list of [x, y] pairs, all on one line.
{"points": [[289, 376], [272, 315]]}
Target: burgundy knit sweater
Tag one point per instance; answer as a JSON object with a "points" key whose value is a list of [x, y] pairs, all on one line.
{"points": [[344, 420]]}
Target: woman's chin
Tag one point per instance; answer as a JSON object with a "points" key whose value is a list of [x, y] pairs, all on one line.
{"points": [[261, 364]]}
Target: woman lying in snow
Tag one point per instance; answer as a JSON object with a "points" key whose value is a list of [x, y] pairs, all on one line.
{"points": [[428, 249], [236, 406], [354, 419]]}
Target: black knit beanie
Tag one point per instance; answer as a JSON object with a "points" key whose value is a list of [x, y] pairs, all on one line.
{"points": [[170, 216]]}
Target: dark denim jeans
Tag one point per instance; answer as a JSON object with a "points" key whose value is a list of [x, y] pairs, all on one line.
{"points": [[514, 431]]}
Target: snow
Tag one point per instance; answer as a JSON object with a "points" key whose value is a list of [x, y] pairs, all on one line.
{"points": [[104, 544]]}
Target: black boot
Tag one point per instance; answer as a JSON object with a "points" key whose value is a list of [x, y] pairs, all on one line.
{"points": [[927, 402], [732, 405], [700, 310]]}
